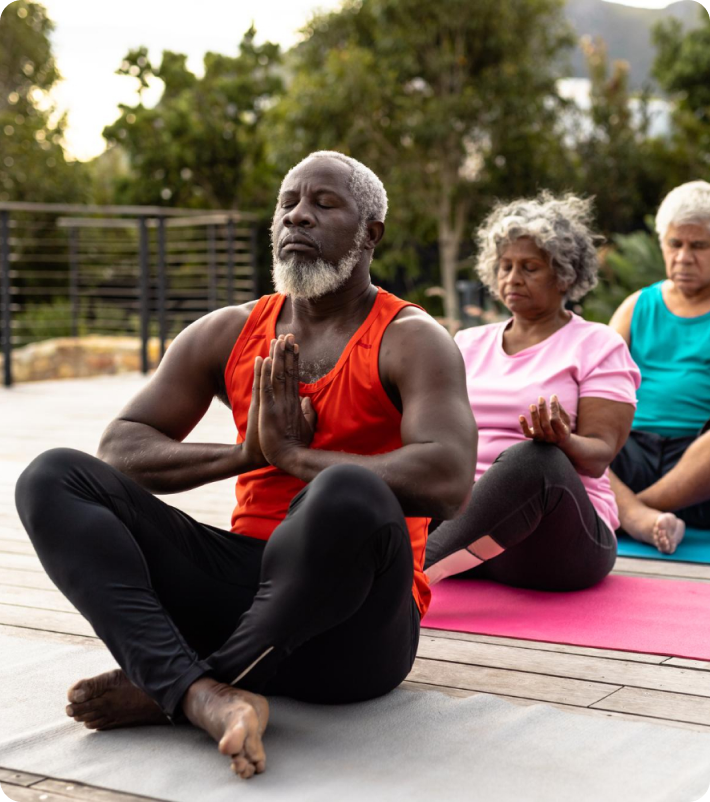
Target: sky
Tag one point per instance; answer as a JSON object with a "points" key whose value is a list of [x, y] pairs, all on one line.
{"points": [[92, 37]]}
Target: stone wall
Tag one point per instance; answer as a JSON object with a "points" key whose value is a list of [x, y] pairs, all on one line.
{"points": [[78, 357]]}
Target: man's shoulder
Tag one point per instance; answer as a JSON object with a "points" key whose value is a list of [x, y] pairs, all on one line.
{"points": [[212, 336], [414, 321]]}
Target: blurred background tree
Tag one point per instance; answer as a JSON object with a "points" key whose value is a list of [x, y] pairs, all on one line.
{"points": [[202, 144], [682, 69], [438, 98], [33, 166], [454, 105]]}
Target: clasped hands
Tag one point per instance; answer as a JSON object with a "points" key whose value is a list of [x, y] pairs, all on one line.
{"points": [[547, 426], [280, 422]]}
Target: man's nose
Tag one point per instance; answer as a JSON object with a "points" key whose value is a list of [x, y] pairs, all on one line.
{"points": [[685, 254], [300, 215]]}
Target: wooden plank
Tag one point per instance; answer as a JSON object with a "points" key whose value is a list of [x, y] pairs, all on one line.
{"points": [[20, 777], [584, 711], [683, 662], [667, 568], [574, 666], [90, 793], [45, 636], [39, 599], [25, 579], [658, 704], [8, 546], [510, 683], [43, 792], [68, 623], [559, 648], [22, 562]]}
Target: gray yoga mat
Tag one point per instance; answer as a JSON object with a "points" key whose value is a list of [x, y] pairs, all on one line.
{"points": [[408, 747]]}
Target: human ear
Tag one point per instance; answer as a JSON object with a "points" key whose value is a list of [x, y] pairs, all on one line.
{"points": [[375, 232]]}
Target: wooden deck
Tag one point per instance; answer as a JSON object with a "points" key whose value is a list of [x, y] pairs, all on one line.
{"points": [[663, 691]]}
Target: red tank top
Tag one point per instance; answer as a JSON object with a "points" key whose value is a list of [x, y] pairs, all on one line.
{"points": [[355, 415]]}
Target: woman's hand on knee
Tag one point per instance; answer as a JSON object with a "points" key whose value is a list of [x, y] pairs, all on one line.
{"points": [[548, 425]]}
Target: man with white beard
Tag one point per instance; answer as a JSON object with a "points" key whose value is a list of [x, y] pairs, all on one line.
{"points": [[354, 428]]}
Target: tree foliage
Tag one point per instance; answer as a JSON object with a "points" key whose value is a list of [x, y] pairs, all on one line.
{"points": [[32, 162], [202, 144], [682, 68], [439, 98]]}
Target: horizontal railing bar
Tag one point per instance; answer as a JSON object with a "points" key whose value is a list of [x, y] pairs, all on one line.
{"points": [[153, 211]]}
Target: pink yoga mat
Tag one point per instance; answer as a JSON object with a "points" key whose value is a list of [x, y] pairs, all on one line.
{"points": [[633, 614]]}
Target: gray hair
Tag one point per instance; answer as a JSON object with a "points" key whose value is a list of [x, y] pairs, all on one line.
{"points": [[559, 226], [687, 204], [368, 191]]}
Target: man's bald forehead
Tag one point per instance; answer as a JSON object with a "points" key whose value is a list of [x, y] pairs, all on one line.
{"points": [[325, 165]]}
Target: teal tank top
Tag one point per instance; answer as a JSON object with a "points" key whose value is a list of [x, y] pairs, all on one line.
{"points": [[673, 355]]}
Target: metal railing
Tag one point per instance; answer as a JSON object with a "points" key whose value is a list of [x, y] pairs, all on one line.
{"points": [[70, 270]]}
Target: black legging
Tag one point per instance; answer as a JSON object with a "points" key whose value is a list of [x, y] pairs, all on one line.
{"points": [[321, 612], [533, 504]]}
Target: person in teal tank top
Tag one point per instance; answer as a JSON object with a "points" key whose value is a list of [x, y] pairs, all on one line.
{"points": [[661, 477]]}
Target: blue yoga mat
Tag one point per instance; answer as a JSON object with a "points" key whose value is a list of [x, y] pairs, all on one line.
{"points": [[694, 548]]}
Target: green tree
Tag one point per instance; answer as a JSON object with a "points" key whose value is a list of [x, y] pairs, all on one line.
{"points": [[33, 166], [630, 262], [443, 100], [617, 161], [202, 144], [682, 68]]}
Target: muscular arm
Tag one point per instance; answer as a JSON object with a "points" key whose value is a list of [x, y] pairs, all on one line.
{"points": [[145, 440], [602, 429], [432, 473]]}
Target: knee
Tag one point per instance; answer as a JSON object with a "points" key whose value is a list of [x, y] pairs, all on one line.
{"points": [[41, 480], [535, 459], [355, 494]]}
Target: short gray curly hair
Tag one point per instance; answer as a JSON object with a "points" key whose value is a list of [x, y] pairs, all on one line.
{"points": [[368, 191], [686, 204], [559, 226]]}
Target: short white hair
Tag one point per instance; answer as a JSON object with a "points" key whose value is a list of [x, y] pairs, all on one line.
{"points": [[366, 188], [687, 204]]}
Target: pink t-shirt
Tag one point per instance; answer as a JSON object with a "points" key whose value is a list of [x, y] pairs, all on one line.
{"points": [[580, 360]]}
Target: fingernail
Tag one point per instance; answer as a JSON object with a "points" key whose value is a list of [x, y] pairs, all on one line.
{"points": [[80, 696], [532, 407]]}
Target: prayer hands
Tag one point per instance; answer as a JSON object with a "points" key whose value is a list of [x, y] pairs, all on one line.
{"points": [[283, 420], [553, 427]]}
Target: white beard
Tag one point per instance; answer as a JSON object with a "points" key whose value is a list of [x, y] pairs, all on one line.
{"points": [[299, 278]]}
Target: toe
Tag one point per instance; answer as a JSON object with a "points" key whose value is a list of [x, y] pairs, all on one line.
{"points": [[81, 691], [97, 724], [232, 741], [254, 749]]}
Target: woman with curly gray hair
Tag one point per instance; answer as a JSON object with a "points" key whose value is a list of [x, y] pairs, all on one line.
{"points": [[542, 514]]}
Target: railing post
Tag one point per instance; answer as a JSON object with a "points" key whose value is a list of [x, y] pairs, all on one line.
{"points": [[6, 296], [162, 287], [74, 279], [253, 247], [230, 262], [212, 269], [144, 292]]}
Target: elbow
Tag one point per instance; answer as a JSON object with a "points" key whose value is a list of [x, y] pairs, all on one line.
{"points": [[593, 471], [453, 497], [110, 445]]}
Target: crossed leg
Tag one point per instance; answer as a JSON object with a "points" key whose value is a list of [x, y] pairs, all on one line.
{"points": [[650, 514], [188, 610]]}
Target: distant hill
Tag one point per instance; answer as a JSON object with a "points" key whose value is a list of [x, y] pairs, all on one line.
{"points": [[626, 31]]}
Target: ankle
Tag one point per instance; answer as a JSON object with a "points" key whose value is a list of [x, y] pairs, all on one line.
{"points": [[197, 696]]}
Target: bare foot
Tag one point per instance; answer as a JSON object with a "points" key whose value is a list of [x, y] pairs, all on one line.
{"points": [[664, 530], [111, 700], [668, 531], [236, 719]]}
